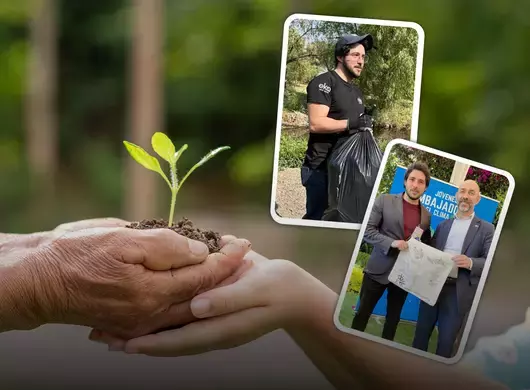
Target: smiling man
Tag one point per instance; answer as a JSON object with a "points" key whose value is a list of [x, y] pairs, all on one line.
{"points": [[392, 222], [335, 108], [468, 238]]}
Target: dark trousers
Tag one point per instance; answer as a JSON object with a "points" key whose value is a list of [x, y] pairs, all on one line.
{"points": [[315, 182], [446, 313], [371, 292]]}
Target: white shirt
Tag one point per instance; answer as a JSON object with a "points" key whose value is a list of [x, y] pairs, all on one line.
{"points": [[456, 237]]}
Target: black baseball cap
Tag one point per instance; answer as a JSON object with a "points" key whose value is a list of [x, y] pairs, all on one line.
{"points": [[366, 40]]}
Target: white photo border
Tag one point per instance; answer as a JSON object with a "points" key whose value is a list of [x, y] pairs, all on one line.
{"points": [[283, 69], [485, 271]]}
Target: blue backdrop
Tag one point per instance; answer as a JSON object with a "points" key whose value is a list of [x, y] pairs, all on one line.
{"points": [[439, 199]]}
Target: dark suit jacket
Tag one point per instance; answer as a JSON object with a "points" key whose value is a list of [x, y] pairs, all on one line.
{"points": [[384, 226], [476, 246]]}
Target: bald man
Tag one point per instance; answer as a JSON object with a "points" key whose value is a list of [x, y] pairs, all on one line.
{"points": [[468, 238]]}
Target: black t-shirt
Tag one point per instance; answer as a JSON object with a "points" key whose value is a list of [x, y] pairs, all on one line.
{"points": [[345, 101]]}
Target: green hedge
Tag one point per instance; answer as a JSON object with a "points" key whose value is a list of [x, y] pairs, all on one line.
{"points": [[356, 280], [292, 151], [362, 259], [295, 100]]}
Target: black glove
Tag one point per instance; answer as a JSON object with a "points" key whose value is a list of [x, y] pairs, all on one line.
{"points": [[366, 122], [362, 123], [372, 110]]}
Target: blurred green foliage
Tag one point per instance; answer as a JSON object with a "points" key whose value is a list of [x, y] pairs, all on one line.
{"points": [[221, 80], [388, 174], [362, 258], [222, 68]]}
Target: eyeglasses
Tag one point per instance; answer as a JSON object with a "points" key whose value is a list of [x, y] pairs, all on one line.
{"points": [[356, 56]]}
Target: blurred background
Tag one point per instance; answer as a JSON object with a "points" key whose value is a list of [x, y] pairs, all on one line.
{"points": [[79, 77]]}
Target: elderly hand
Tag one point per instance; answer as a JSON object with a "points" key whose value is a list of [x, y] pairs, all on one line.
{"points": [[10, 243], [87, 224], [125, 281], [262, 296]]}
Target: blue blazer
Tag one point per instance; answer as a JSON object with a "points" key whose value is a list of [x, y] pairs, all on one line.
{"points": [[476, 246]]}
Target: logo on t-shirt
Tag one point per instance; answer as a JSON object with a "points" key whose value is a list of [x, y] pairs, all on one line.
{"points": [[324, 88]]}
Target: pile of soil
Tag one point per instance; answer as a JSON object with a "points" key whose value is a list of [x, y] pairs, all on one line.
{"points": [[184, 227]]}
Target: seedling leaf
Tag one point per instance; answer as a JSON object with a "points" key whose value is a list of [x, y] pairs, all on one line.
{"points": [[163, 146], [211, 155], [202, 161], [177, 155], [145, 159]]}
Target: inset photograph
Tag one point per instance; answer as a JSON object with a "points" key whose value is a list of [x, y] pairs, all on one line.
{"points": [[424, 251], [348, 87]]}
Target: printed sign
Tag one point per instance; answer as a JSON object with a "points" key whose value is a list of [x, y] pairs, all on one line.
{"points": [[440, 199]]}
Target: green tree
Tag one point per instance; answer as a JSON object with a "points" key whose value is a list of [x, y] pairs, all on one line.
{"points": [[388, 78]]}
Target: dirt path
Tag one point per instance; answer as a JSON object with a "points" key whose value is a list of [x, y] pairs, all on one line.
{"points": [[290, 194]]}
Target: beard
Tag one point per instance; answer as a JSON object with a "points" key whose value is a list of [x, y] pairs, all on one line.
{"points": [[350, 71], [464, 206], [413, 197]]}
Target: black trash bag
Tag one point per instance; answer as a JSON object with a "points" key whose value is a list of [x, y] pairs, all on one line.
{"points": [[353, 166]]}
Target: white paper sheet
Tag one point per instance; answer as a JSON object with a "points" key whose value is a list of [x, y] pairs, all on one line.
{"points": [[422, 271]]}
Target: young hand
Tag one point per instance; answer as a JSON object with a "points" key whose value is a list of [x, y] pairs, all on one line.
{"points": [[264, 295]]}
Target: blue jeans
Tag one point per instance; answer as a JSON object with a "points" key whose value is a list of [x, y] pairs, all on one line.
{"points": [[315, 182]]}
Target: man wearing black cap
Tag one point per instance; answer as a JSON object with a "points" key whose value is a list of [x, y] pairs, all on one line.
{"points": [[335, 107]]}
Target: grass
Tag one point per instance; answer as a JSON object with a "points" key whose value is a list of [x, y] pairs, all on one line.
{"points": [[404, 333], [292, 150], [398, 114]]}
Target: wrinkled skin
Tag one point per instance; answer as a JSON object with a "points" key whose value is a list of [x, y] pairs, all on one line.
{"points": [[128, 282], [262, 296]]}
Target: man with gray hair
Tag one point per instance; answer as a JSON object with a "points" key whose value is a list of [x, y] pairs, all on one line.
{"points": [[468, 238]]}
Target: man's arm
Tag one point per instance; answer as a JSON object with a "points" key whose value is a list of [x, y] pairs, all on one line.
{"points": [[319, 121], [372, 234], [479, 262], [426, 237], [319, 101]]}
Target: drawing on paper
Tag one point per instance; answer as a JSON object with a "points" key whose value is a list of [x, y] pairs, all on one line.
{"points": [[422, 271]]}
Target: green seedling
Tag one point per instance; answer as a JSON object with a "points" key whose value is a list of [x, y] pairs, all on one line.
{"points": [[163, 146]]}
